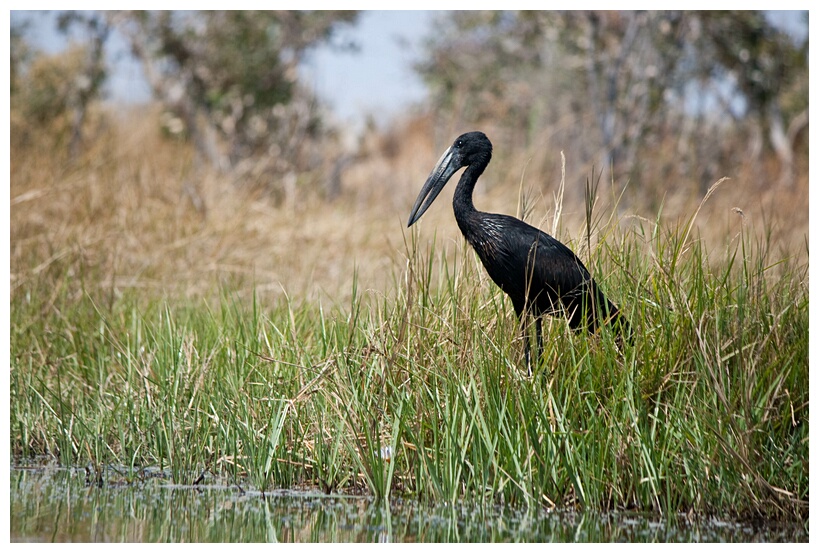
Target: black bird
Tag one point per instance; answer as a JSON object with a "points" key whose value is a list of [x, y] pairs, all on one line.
{"points": [[539, 274]]}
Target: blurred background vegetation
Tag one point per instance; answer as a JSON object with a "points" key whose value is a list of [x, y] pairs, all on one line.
{"points": [[228, 168]]}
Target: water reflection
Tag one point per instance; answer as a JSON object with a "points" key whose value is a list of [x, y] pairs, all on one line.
{"points": [[57, 505]]}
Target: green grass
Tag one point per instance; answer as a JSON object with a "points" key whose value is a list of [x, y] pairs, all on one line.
{"points": [[707, 411]]}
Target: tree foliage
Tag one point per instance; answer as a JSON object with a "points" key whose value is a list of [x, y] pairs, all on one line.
{"points": [[231, 77], [612, 83], [56, 91]]}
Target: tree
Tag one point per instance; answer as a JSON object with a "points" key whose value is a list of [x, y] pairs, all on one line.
{"points": [[232, 77], [609, 71], [50, 89], [611, 85], [93, 73], [765, 65]]}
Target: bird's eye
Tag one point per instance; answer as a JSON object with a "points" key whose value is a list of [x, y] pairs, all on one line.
{"points": [[459, 143]]}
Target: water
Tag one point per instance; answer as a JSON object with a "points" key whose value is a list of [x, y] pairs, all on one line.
{"points": [[60, 505]]}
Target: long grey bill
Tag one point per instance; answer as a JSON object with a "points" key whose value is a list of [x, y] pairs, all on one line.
{"points": [[436, 181]]}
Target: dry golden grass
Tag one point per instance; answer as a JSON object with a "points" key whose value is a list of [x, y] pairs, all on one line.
{"points": [[136, 211]]}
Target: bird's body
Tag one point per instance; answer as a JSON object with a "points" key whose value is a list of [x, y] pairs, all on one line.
{"points": [[540, 274]]}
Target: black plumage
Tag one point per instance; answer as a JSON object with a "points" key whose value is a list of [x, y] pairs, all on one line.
{"points": [[539, 274]]}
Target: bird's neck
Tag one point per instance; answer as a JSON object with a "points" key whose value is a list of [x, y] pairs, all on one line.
{"points": [[465, 212], [462, 199]]}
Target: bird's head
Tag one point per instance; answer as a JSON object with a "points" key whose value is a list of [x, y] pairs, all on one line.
{"points": [[468, 149]]}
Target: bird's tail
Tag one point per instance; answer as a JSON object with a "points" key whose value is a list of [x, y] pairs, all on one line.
{"points": [[607, 313], [621, 325]]}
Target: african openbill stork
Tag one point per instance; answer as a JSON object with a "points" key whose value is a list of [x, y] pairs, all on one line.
{"points": [[539, 274]]}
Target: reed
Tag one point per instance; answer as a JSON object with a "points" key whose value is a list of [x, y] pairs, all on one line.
{"points": [[146, 334], [423, 393]]}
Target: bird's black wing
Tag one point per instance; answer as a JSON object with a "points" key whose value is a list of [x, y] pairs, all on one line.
{"points": [[533, 268], [540, 273]]}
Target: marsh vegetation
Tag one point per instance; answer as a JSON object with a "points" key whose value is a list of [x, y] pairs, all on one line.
{"points": [[166, 314]]}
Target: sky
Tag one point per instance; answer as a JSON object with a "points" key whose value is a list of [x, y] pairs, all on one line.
{"points": [[376, 81]]}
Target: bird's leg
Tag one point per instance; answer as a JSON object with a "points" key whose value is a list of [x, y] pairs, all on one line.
{"points": [[527, 354], [539, 333]]}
